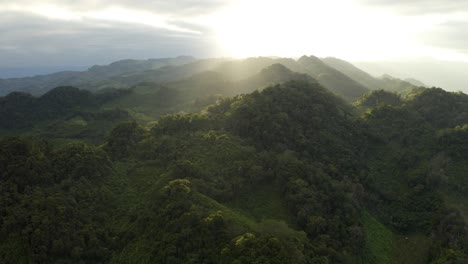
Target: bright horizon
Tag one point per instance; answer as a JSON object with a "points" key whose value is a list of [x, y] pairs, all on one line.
{"points": [[51, 33], [338, 28], [359, 30]]}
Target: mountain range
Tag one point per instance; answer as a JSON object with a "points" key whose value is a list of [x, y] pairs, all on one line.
{"points": [[336, 75]]}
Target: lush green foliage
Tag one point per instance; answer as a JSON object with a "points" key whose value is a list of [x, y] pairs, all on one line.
{"points": [[378, 98], [289, 174]]}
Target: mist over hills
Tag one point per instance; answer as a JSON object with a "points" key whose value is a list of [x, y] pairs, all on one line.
{"points": [[84, 79], [450, 75], [21, 72], [338, 76], [262, 160]]}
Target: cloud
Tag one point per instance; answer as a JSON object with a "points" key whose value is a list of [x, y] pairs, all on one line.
{"points": [[34, 40], [419, 7], [180, 15], [171, 7], [180, 7], [441, 26], [69, 32], [451, 35], [98, 31]]}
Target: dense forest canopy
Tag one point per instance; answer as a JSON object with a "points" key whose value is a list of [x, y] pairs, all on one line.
{"points": [[256, 161]]}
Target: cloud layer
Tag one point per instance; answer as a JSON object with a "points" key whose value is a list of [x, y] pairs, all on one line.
{"points": [[175, 7], [32, 40], [420, 7], [86, 32]]}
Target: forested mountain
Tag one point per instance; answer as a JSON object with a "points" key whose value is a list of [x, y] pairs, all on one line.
{"points": [[353, 72], [254, 161], [87, 79], [68, 112], [385, 82], [128, 73], [375, 99], [332, 79]]}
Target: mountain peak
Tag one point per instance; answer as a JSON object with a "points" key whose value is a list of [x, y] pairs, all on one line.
{"points": [[276, 68], [305, 60]]}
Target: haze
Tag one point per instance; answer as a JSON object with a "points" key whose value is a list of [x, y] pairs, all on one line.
{"points": [[426, 40]]}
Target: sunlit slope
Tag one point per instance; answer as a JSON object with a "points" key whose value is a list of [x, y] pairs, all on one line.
{"points": [[385, 82], [128, 73], [68, 112], [198, 91], [353, 72]]}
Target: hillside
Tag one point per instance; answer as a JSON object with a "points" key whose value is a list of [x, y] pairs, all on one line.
{"points": [[353, 72], [38, 85], [385, 82], [204, 176], [332, 79], [74, 113], [226, 164]]}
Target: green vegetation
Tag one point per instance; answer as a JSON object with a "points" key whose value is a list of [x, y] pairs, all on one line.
{"points": [[378, 98], [228, 76], [384, 246], [379, 241], [191, 171]]}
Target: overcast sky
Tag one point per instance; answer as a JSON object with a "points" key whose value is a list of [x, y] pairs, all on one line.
{"points": [[53, 33]]}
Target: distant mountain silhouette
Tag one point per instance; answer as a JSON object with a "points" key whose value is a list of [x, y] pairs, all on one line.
{"points": [[338, 76]]}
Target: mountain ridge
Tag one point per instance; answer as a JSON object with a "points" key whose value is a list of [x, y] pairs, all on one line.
{"points": [[127, 73]]}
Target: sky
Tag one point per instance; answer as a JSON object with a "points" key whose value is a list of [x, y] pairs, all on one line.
{"points": [[73, 33]]}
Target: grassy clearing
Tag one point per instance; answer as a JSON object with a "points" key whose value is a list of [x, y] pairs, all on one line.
{"points": [[411, 249], [383, 246], [244, 222], [266, 202], [379, 241]]}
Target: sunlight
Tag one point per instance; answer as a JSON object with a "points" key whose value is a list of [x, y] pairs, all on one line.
{"points": [[339, 28], [443, 54]]}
